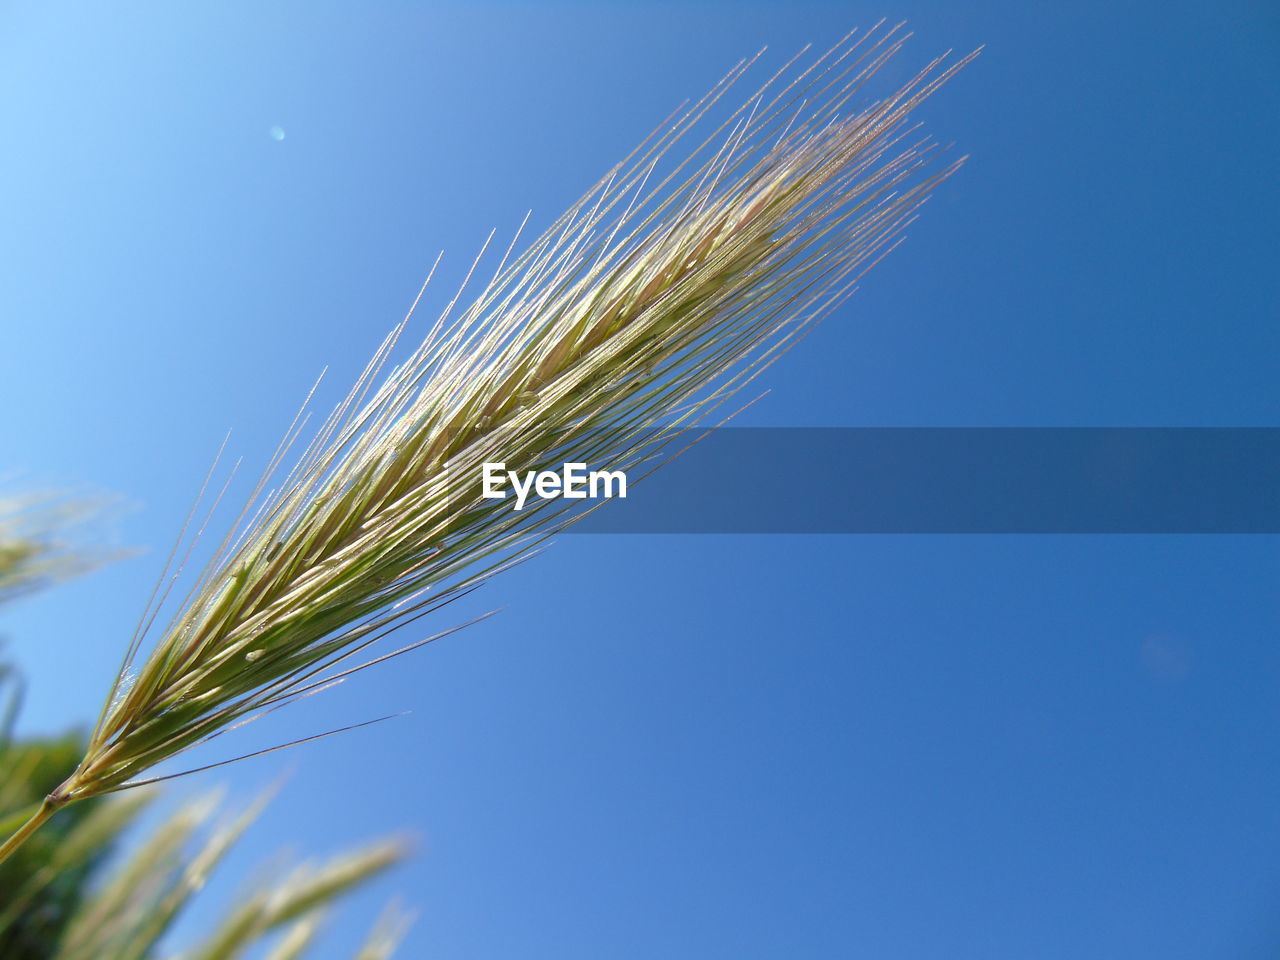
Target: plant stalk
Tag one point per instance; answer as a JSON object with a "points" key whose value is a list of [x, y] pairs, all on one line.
{"points": [[48, 807]]}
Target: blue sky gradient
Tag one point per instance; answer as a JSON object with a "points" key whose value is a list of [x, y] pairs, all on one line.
{"points": [[742, 746]]}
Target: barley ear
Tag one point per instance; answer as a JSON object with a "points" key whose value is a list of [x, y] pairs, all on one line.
{"points": [[659, 296]]}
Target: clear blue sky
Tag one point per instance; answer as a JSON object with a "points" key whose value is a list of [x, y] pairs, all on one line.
{"points": [[746, 747]]}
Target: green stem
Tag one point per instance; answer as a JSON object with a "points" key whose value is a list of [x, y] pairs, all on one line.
{"points": [[48, 807]]}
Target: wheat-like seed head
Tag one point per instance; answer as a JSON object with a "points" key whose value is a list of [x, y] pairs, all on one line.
{"points": [[35, 549], [633, 315]]}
